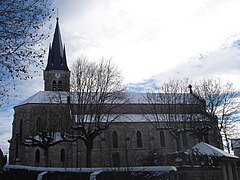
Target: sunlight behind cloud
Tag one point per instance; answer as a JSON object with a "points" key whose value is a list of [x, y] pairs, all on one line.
{"points": [[147, 38]]}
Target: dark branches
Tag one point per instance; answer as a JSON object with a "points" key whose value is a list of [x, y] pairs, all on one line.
{"points": [[98, 90], [21, 38]]}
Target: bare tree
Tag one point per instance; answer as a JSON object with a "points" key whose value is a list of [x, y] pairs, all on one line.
{"points": [[53, 127], [215, 101], [99, 92], [222, 101], [21, 38], [173, 106], [45, 140]]}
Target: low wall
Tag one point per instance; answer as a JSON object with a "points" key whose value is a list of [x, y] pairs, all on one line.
{"points": [[134, 173], [200, 173]]}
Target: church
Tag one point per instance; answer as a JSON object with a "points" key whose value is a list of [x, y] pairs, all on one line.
{"points": [[130, 141]]}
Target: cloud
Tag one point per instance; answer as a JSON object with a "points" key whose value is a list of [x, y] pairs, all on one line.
{"points": [[3, 141], [223, 63], [146, 38], [5, 128], [142, 86]]}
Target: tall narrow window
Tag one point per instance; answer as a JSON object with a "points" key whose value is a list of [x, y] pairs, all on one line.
{"points": [[39, 127], [115, 139], [54, 85], [184, 138], [62, 155], [206, 139], [59, 85], [37, 156], [116, 159], [162, 139], [20, 130], [139, 139]]}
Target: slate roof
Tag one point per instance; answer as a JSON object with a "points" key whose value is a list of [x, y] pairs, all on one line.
{"points": [[48, 97], [57, 54]]}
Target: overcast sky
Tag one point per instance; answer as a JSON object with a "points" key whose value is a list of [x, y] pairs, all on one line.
{"points": [[150, 41]]}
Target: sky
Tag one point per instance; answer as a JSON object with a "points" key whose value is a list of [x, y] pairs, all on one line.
{"points": [[151, 41]]}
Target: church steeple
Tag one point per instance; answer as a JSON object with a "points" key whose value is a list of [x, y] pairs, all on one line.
{"points": [[57, 58], [56, 73]]}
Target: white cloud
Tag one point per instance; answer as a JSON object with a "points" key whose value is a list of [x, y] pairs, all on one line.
{"points": [[223, 64], [5, 126], [146, 37]]}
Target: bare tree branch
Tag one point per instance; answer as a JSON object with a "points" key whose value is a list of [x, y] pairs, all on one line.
{"points": [[99, 91], [222, 101], [21, 39]]}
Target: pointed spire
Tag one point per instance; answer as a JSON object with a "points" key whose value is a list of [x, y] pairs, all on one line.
{"points": [[49, 56], [57, 57], [64, 56]]}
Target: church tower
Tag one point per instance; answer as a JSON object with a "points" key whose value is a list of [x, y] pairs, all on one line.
{"points": [[57, 74]]}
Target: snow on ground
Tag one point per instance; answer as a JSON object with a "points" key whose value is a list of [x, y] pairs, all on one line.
{"points": [[105, 169]]}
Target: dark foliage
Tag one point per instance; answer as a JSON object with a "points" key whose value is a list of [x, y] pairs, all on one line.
{"points": [[183, 158]]}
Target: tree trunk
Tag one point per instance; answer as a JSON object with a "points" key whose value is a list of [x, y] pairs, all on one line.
{"points": [[46, 154], [227, 140], [176, 136], [89, 146], [178, 142]]}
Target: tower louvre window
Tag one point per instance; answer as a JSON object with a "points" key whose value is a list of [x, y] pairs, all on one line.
{"points": [[54, 85], [59, 85]]}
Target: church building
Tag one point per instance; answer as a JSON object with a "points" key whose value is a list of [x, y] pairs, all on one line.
{"points": [[130, 141]]}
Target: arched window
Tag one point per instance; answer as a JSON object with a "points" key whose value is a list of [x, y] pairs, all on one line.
{"points": [[62, 155], [116, 159], [162, 139], [115, 139], [139, 139], [59, 85], [39, 126], [37, 156], [184, 138], [206, 139], [54, 85], [20, 129]]}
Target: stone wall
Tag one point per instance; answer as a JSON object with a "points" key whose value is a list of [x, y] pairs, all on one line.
{"points": [[200, 173], [55, 118]]}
